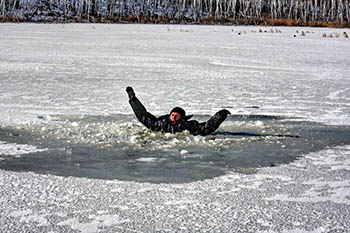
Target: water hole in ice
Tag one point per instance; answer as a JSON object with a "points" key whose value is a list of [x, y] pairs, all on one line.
{"points": [[119, 147]]}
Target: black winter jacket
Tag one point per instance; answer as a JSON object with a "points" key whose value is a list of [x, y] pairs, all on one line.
{"points": [[164, 125]]}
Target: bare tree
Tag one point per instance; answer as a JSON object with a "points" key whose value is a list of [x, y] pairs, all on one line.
{"points": [[299, 10]]}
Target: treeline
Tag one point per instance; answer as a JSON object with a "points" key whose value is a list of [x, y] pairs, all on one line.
{"points": [[179, 11]]}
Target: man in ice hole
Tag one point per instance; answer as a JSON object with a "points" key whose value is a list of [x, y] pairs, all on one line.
{"points": [[176, 121]]}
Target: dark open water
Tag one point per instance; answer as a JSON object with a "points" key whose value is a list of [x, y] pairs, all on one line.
{"points": [[117, 147]]}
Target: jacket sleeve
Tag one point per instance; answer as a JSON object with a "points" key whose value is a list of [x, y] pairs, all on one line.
{"points": [[206, 128], [146, 118]]}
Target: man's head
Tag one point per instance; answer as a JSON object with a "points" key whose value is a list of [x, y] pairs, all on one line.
{"points": [[176, 114]]}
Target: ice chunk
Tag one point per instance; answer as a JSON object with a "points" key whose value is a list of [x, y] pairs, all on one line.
{"points": [[259, 124], [147, 159], [14, 149], [75, 124], [133, 139], [183, 152]]}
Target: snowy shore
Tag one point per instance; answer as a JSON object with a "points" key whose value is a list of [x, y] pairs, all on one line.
{"points": [[73, 69]]}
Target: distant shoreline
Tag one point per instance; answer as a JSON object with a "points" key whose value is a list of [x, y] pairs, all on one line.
{"points": [[320, 13], [161, 20]]}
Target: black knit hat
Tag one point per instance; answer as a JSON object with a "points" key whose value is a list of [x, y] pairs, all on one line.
{"points": [[180, 111]]}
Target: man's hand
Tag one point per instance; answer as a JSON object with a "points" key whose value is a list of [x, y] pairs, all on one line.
{"points": [[131, 93], [224, 112]]}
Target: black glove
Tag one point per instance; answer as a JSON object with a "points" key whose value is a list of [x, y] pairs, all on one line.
{"points": [[131, 93], [224, 112]]}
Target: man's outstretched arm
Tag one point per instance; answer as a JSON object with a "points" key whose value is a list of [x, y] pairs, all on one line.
{"points": [[206, 128], [146, 118]]}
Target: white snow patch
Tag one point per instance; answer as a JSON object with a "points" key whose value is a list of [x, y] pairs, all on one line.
{"points": [[97, 221], [148, 159], [336, 94], [14, 149], [339, 160], [20, 213], [28, 216], [183, 152], [273, 177], [321, 189], [321, 229]]}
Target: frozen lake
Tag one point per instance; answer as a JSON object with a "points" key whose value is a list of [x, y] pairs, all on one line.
{"points": [[64, 115], [84, 69]]}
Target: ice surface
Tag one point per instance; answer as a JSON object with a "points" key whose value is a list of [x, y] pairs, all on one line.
{"points": [[13, 149], [300, 196], [73, 69], [84, 69]]}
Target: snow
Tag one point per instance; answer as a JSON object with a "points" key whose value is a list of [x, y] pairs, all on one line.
{"points": [[16, 150], [97, 221], [148, 160], [74, 69], [183, 152]]}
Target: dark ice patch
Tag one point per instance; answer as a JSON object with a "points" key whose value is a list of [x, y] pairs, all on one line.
{"points": [[254, 107]]}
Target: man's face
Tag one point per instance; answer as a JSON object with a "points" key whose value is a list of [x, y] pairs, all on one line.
{"points": [[174, 117]]}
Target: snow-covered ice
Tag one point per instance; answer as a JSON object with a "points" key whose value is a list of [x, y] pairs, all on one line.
{"points": [[49, 71], [84, 69], [13, 149]]}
